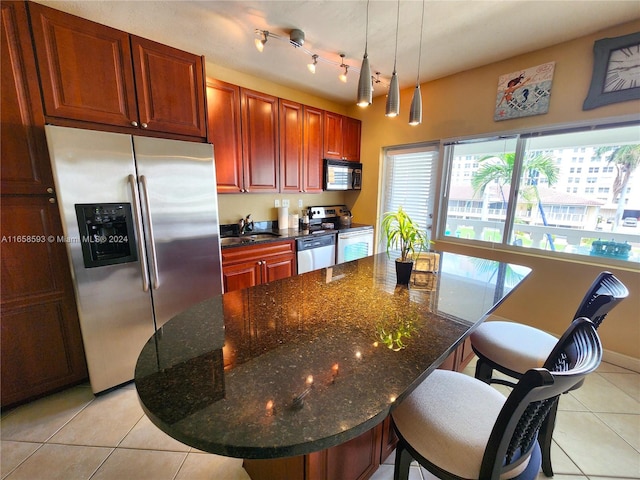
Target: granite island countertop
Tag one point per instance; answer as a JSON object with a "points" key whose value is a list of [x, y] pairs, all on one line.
{"points": [[309, 362]]}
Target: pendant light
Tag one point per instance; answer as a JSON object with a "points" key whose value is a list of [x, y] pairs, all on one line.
{"points": [[393, 98], [365, 88], [415, 114]]}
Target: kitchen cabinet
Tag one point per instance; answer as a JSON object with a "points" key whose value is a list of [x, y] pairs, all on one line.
{"points": [[260, 141], [341, 137], [244, 267], [224, 132], [41, 345], [312, 147], [93, 73], [291, 125], [356, 459]]}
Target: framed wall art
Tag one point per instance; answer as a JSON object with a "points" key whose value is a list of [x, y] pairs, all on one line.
{"points": [[524, 93], [616, 71]]}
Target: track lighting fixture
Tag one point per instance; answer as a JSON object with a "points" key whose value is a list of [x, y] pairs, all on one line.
{"points": [[343, 75], [365, 86], [393, 98], [264, 35], [415, 114], [312, 66]]}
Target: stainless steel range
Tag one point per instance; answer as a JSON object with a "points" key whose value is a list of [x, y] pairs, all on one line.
{"points": [[353, 240]]}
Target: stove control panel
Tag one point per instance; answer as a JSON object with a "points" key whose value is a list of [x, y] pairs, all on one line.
{"points": [[332, 211]]}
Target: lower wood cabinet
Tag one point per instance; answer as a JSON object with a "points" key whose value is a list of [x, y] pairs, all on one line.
{"points": [[244, 267]]}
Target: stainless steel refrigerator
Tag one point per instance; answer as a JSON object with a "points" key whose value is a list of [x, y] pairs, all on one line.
{"points": [[140, 219]]}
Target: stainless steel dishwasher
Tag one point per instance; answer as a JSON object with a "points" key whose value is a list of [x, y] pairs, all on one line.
{"points": [[316, 251]]}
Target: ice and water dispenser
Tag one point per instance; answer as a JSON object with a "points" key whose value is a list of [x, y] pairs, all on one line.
{"points": [[106, 233]]}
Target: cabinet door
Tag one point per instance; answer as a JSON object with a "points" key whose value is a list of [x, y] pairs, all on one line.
{"points": [[333, 135], [85, 68], [223, 126], [25, 160], [283, 266], [313, 136], [351, 145], [170, 88], [260, 149], [356, 459], [291, 140], [41, 344], [243, 275]]}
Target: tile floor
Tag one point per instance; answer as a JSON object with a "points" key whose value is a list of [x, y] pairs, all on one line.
{"points": [[73, 435]]}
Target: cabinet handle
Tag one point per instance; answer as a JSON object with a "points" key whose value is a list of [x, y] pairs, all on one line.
{"points": [[52, 200], [144, 125], [134, 124], [49, 190]]}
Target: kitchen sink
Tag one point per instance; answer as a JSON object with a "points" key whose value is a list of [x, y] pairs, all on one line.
{"points": [[256, 237]]}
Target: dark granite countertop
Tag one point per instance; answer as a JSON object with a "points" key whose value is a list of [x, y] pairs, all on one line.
{"points": [[224, 375]]}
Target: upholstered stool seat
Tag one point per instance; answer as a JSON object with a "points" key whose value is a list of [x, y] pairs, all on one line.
{"points": [[448, 419], [458, 427], [496, 339]]}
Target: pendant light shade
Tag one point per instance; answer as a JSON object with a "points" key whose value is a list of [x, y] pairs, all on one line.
{"points": [[393, 99], [415, 114], [365, 87]]}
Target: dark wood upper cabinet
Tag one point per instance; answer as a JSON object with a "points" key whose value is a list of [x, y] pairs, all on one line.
{"points": [[224, 132], [169, 85], [25, 161], [313, 132], [86, 68], [260, 142], [93, 73], [291, 142], [333, 135], [341, 137], [351, 134]]}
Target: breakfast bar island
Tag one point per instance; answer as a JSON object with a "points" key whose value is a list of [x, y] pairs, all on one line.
{"points": [[298, 376]]}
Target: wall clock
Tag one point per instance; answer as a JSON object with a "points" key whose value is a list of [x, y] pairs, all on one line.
{"points": [[616, 71]]}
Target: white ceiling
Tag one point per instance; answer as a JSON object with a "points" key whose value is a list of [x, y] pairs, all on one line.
{"points": [[457, 34]]}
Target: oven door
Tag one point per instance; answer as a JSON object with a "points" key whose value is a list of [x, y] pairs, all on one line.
{"points": [[354, 244]]}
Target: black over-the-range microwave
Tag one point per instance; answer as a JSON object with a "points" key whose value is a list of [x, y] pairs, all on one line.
{"points": [[342, 175]]}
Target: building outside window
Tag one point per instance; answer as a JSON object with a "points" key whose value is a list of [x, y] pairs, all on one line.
{"points": [[521, 194]]}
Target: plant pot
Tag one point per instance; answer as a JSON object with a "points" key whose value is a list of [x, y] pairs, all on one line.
{"points": [[403, 272]]}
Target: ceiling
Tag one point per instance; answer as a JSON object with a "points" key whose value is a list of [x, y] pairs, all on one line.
{"points": [[457, 34]]}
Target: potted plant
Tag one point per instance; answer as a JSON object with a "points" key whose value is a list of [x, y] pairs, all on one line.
{"points": [[404, 234]]}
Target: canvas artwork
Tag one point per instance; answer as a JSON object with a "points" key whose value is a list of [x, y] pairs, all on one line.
{"points": [[524, 93]]}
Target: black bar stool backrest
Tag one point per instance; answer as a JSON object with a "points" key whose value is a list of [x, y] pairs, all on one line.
{"points": [[577, 353], [604, 294]]}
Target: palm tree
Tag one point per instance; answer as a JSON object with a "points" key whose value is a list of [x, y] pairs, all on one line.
{"points": [[626, 159], [499, 169]]}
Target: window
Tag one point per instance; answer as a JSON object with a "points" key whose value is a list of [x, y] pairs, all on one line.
{"points": [[409, 176], [521, 194]]}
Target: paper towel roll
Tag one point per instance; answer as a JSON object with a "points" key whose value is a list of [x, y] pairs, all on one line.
{"points": [[283, 218]]}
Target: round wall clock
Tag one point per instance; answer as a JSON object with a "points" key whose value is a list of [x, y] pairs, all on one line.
{"points": [[616, 71]]}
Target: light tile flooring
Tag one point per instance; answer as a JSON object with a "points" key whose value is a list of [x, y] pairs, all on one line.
{"points": [[73, 435]]}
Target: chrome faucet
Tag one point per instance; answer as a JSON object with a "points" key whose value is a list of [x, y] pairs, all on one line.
{"points": [[246, 224]]}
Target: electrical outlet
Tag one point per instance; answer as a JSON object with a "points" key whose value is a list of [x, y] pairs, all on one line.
{"points": [[300, 203], [276, 203], [285, 202]]}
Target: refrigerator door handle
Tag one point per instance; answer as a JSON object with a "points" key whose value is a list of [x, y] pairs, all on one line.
{"points": [[139, 236], [152, 240]]}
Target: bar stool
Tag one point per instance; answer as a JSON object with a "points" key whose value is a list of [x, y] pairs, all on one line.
{"points": [[513, 348], [457, 427]]}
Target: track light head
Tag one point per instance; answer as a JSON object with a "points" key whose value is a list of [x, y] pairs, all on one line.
{"points": [[312, 66], [264, 35]]}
